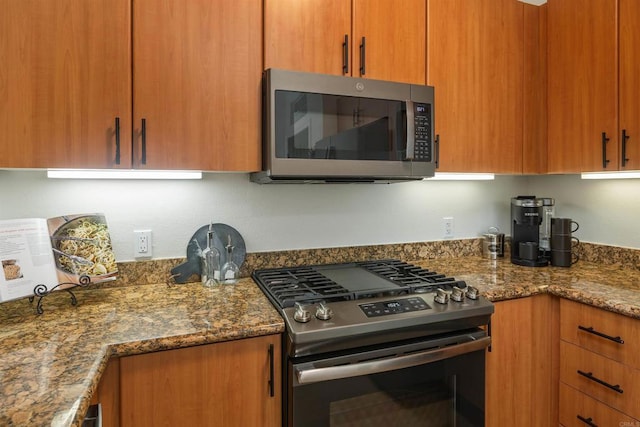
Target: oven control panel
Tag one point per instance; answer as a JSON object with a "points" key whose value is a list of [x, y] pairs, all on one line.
{"points": [[383, 308]]}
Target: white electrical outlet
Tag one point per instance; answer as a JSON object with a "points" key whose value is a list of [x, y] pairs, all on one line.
{"points": [[447, 223], [142, 244]]}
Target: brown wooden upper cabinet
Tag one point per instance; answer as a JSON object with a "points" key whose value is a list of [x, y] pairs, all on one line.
{"points": [[594, 81], [381, 39], [83, 77], [477, 57], [65, 79]]}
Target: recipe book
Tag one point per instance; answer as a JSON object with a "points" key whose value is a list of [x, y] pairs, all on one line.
{"points": [[53, 251]]}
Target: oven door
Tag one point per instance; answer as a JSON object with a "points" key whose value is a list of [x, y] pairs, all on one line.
{"points": [[430, 383]]}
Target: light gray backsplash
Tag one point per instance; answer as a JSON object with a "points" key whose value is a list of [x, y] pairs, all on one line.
{"points": [[608, 211], [282, 217]]}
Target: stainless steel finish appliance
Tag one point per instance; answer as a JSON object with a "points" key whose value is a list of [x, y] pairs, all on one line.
{"points": [[379, 343], [526, 217], [323, 128]]}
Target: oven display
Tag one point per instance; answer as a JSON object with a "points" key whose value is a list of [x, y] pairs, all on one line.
{"points": [[384, 308]]}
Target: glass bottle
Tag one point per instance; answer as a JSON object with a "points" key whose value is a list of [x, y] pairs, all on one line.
{"points": [[210, 262], [230, 271]]}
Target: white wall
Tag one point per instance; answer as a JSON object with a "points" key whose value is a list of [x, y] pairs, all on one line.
{"points": [[269, 217], [280, 217], [608, 211]]}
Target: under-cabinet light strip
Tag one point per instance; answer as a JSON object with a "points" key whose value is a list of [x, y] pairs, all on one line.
{"points": [[122, 174], [611, 175], [444, 176]]}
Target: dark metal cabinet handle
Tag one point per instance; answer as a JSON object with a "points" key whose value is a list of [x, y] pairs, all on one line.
{"points": [[590, 376], [605, 140], [271, 372], [363, 49], [625, 137], [117, 132], [345, 55], [587, 421], [600, 334], [437, 155], [144, 142]]}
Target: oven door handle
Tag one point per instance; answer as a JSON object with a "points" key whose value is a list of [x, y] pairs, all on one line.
{"points": [[317, 375]]}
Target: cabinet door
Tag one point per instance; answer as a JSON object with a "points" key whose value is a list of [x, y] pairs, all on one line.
{"points": [[223, 384], [630, 82], [583, 85], [197, 68], [308, 35], [66, 76], [394, 35], [521, 368], [475, 62]]}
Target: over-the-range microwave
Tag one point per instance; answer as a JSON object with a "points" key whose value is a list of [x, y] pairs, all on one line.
{"points": [[323, 128]]}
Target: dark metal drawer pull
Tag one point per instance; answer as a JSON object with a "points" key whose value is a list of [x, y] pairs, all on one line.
{"points": [[590, 376], [271, 372], [363, 49], [587, 421], [605, 140], [437, 150], [625, 137], [345, 55], [117, 132], [144, 142], [600, 334]]}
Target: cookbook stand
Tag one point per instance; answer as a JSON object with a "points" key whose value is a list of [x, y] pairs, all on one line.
{"points": [[42, 291]]}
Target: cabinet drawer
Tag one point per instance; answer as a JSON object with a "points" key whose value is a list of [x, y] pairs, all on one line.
{"points": [[606, 376], [576, 317], [574, 404]]}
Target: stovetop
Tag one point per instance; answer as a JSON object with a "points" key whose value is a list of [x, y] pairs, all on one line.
{"points": [[350, 281], [334, 307]]}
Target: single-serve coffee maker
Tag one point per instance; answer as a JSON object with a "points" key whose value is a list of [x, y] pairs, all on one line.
{"points": [[526, 217]]}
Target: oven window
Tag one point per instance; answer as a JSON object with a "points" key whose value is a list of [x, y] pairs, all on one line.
{"points": [[403, 406], [316, 126], [445, 393]]}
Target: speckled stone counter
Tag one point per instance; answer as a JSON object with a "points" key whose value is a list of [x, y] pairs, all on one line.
{"points": [[607, 286], [52, 363]]}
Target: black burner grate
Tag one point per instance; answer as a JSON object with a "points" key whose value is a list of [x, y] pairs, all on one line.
{"points": [[416, 278], [299, 284], [286, 286]]}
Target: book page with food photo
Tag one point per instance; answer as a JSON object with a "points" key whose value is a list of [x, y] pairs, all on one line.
{"points": [[67, 249]]}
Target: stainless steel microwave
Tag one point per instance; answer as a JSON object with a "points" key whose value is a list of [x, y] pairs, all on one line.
{"points": [[322, 128]]}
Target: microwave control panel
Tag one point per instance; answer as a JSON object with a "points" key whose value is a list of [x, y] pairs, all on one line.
{"points": [[422, 121]]}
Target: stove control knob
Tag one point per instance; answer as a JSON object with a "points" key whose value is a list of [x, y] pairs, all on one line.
{"points": [[301, 315], [457, 294], [442, 296], [323, 312], [472, 293]]}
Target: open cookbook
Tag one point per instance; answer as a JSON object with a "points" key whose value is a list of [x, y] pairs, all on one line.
{"points": [[65, 249]]}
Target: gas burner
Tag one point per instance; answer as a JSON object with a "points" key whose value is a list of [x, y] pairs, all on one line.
{"points": [[299, 284], [419, 280]]}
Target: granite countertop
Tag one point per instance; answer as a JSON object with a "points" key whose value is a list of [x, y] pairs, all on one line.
{"points": [[52, 363], [609, 287]]}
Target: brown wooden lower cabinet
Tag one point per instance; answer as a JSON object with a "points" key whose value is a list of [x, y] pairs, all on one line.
{"points": [[522, 366], [231, 383]]}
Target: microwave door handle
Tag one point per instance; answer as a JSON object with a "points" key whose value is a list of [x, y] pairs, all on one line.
{"points": [[317, 375], [411, 131]]}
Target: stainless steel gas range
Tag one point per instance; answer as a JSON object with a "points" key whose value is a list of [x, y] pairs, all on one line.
{"points": [[379, 343]]}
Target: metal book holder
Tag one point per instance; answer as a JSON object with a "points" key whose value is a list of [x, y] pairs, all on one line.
{"points": [[42, 291]]}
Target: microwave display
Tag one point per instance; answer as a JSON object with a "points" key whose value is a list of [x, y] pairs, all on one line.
{"points": [[321, 126]]}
